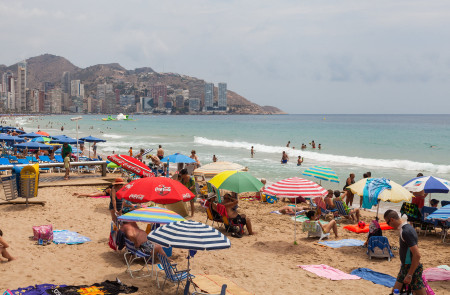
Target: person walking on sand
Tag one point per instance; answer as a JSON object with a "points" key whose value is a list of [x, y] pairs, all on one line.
{"points": [[66, 152], [189, 182], [284, 158], [160, 152], [130, 151], [252, 152], [3, 246], [411, 269]]}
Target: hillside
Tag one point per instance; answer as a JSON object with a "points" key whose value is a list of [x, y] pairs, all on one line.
{"points": [[49, 68]]}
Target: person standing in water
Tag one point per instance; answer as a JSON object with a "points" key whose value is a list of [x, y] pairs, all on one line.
{"points": [[252, 152], [284, 158], [289, 142]]}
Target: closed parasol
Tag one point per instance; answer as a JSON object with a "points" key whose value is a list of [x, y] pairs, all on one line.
{"points": [[131, 164]]}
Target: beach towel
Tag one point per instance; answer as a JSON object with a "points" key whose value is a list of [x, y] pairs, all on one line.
{"points": [[372, 189], [326, 271], [436, 274], [68, 237], [444, 267], [107, 287], [411, 210], [355, 228], [34, 290], [375, 277], [343, 243], [213, 284], [300, 218], [296, 213]]}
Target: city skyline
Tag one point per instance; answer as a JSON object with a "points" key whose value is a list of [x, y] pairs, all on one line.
{"points": [[309, 57]]}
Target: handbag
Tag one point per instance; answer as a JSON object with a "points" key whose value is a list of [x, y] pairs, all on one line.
{"points": [[43, 232]]}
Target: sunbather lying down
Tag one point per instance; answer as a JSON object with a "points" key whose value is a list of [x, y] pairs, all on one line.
{"points": [[290, 210]]}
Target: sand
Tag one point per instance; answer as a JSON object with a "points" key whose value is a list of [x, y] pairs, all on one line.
{"points": [[265, 263]]}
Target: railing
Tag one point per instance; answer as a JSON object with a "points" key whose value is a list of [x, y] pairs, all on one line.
{"points": [[50, 165]]}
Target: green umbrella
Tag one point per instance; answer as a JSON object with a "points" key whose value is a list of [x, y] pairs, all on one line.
{"points": [[236, 181], [112, 165]]}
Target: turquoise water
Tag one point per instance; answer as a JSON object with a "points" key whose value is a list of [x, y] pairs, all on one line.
{"points": [[393, 146]]}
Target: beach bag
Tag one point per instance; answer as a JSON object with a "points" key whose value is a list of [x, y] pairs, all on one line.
{"points": [[43, 232]]}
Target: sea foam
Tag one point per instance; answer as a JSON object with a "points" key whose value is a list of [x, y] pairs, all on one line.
{"points": [[321, 157]]}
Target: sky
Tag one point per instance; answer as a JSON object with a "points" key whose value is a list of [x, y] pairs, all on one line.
{"points": [[316, 57]]}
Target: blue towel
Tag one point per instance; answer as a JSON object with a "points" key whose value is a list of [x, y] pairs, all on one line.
{"points": [[343, 243], [35, 290], [68, 237], [380, 242], [372, 190], [375, 277]]}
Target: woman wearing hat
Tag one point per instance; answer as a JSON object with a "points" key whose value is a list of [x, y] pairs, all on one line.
{"points": [[115, 204]]}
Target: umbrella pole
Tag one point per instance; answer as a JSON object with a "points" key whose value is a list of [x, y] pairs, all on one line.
{"points": [[378, 207], [295, 223]]}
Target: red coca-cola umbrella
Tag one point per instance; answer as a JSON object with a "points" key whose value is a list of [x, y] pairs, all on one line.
{"points": [[131, 164], [161, 190]]}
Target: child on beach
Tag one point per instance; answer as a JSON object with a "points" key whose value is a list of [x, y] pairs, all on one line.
{"points": [[3, 246]]}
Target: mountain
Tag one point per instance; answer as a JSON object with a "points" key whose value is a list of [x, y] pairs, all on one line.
{"points": [[49, 68]]}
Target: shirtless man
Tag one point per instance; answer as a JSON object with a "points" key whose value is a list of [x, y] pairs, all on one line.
{"points": [[160, 152], [3, 246], [230, 204], [139, 238], [284, 158], [354, 214]]}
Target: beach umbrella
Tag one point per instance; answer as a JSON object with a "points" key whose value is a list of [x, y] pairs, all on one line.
{"points": [[211, 169], [177, 158], [294, 187], [43, 133], [441, 214], [33, 146], [190, 235], [67, 140], [395, 194], [160, 190], [41, 139], [92, 139], [10, 138], [322, 173], [236, 181], [30, 135], [112, 165], [428, 184], [151, 215], [74, 150], [132, 164]]}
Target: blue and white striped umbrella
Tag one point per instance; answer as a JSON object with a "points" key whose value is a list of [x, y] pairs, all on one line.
{"points": [[190, 235], [428, 184], [441, 214]]}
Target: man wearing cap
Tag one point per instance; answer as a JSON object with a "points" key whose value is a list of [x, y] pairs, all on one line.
{"points": [[115, 204]]}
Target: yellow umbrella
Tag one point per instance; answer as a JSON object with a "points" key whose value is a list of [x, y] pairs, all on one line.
{"points": [[396, 194], [236, 181], [212, 169]]}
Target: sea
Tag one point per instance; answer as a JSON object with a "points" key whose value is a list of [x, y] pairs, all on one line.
{"points": [[396, 147]]}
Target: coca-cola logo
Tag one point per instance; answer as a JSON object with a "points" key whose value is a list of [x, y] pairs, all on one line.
{"points": [[162, 189], [136, 197], [186, 196]]}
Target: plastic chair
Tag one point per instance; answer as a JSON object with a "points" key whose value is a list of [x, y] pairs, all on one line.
{"points": [[314, 230], [133, 255]]}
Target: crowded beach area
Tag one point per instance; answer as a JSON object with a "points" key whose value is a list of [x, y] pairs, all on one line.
{"points": [[158, 221]]}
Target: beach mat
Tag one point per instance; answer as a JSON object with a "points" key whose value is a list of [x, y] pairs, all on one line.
{"points": [[343, 243], [213, 284], [326, 271], [106, 287], [374, 276], [356, 229], [34, 290], [68, 237]]}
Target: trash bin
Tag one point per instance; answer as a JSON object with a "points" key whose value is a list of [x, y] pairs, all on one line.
{"points": [[29, 181]]}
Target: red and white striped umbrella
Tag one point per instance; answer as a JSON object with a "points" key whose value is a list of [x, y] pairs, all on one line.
{"points": [[294, 187]]}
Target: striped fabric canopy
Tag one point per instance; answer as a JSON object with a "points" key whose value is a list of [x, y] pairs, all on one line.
{"points": [[294, 187], [190, 235], [428, 184], [151, 215], [323, 173], [442, 213]]}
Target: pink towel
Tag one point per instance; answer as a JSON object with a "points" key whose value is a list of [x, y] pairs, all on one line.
{"points": [[328, 272], [436, 274]]}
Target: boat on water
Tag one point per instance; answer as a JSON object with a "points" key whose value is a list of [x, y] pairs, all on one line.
{"points": [[120, 117]]}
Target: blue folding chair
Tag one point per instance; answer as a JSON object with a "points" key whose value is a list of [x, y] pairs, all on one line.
{"points": [[172, 273], [427, 225], [132, 254]]}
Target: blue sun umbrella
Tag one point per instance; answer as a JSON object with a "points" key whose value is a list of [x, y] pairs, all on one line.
{"points": [[30, 135], [177, 158], [33, 146]]}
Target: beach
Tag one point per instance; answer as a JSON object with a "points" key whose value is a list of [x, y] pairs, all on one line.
{"points": [[266, 263]]}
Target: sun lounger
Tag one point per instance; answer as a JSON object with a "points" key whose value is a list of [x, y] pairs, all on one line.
{"points": [[314, 230], [379, 247]]}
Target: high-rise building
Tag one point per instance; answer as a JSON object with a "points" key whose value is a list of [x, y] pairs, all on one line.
{"points": [[106, 94], [55, 100], [76, 88], [157, 92], [209, 96], [48, 86], [222, 97], [65, 82], [194, 104], [21, 86], [77, 96]]}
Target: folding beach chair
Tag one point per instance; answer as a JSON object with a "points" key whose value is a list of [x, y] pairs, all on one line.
{"points": [[425, 224], [131, 255], [314, 230], [378, 246], [172, 273], [9, 184]]}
